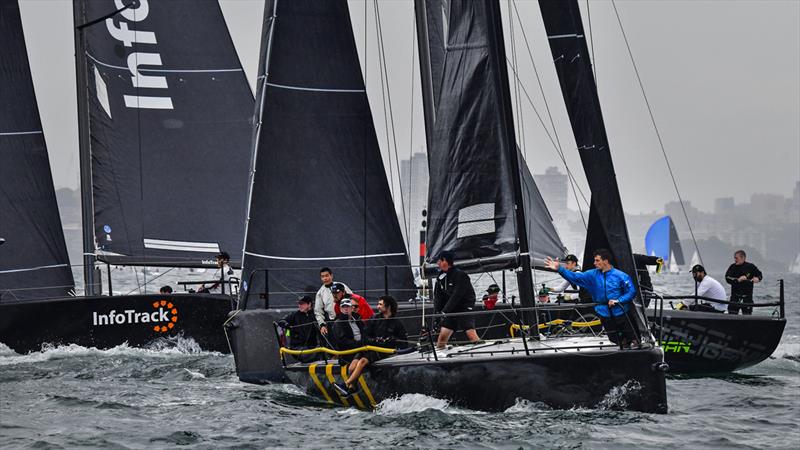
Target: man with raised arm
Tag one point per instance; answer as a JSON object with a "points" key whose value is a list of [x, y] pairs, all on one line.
{"points": [[612, 291]]}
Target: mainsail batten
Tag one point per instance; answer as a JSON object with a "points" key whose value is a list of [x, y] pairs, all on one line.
{"points": [[33, 257], [169, 121], [320, 195]]}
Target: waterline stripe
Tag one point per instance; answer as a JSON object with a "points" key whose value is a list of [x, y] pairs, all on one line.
{"points": [[366, 390], [329, 374], [298, 88], [323, 258], [31, 269]]}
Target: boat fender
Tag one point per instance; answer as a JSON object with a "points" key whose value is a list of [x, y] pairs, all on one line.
{"points": [[660, 366]]}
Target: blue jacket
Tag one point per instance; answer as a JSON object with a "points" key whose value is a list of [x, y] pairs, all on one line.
{"points": [[612, 285]]}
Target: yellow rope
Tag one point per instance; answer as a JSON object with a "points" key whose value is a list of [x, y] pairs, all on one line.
{"points": [[515, 327], [310, 351]]}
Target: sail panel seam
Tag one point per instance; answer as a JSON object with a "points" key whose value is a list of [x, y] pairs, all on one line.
{"points": [[324, 258], [31, 269], [19, 133], [562, 36], [162, 70], [299, 88]]}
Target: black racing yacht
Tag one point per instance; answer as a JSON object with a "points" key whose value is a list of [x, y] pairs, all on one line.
{"points": [[483, 207], [164, 125]]}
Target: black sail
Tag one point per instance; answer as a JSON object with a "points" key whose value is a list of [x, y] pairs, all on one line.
{"points": [[33, 260], [170, 117], [607, 228], [472, 154], [320, 195]]}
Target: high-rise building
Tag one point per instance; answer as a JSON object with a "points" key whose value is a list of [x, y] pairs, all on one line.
{"points": [[554, 187], [414, 181], [724, 205]]}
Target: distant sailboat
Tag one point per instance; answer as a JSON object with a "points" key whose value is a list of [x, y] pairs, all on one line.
{"points": [[662, 241]]}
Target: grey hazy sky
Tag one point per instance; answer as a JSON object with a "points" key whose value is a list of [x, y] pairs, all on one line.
{"points": [[723, 78]]}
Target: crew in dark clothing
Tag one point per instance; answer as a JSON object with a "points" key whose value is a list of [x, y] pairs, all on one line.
{"points": [[645, 283], [348, 330], [301, 325], [741, 275], [454, 294], [382, 330]]}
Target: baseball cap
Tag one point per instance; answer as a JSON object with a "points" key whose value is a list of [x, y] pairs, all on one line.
{"points": [[698, 268], [304, 299], [336, 288], [345, 302], [570, 257], [493, 289]]}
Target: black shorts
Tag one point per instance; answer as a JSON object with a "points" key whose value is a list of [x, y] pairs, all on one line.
{"points": [[459, 322]]}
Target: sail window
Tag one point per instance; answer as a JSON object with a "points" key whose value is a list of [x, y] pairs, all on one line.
{"points": [[476, 219]]}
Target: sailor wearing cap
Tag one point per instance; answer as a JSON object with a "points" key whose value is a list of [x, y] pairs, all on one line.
{"points": [[348, 330], [705, 286], [571, 263]]}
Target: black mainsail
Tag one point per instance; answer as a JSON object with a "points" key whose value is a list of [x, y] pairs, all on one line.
{"points": [[483, 203], [33, 259], [606, 228], [167, 122], [320, 195]]}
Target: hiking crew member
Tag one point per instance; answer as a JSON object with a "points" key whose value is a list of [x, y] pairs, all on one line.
{"points": [[705, 286], [742, 275], [613, 292], [323, 304], [383, 330], [454, 294], [348, 331], [360, 304]]}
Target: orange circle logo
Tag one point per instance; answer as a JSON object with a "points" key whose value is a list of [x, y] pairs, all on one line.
{"points": [[173, 316]]}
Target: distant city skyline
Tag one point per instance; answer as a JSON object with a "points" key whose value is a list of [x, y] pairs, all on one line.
{"points": [[725, 91]]}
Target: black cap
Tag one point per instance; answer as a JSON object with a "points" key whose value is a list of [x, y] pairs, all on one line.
{"points": [[698, 268], [447, 256], [304, 299], [493, 289], [571, 257], [337, 287]]}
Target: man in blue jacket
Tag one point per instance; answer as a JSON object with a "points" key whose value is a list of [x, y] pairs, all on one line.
{"points": [[613, 293]]}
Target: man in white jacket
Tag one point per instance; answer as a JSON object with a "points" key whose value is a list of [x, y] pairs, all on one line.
{"points": [[323, 304]]}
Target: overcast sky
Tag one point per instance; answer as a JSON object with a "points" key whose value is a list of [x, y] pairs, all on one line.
{"points": [[722, 77]]}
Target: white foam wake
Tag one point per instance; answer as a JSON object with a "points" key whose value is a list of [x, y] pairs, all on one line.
{"points": [[412, 403]]}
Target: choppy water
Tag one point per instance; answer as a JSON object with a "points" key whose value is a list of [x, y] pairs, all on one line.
{"points": [[177, 396]]}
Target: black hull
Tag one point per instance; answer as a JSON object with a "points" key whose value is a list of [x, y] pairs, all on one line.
{"points": [[617, 379], [25, 327], [708, 343]]}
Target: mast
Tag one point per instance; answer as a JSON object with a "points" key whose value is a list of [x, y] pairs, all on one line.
{"points": [[524, 276], [420, 10], [87, 204]]}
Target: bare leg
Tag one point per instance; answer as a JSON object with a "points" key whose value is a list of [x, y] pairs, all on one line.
{"points": [[360, 364], [444, 336], [353, 365], [472, 335]]}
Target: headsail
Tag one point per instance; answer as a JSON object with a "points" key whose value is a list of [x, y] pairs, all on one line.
{"points": [[662, 240], [472, 156], [33, 259], [320, 195], [170, 120], [606, 226]]}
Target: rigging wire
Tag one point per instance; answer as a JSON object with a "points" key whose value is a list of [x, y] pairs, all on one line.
{"points": [[388, 93], [591, 41], [517, 99], [557, 142], [383, 99], [655, 127]]}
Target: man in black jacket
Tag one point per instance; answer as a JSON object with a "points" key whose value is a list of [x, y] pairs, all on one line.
{"points": [[348, 330], [742, 275], [383, 330], [454, 294], [301, 328]]}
